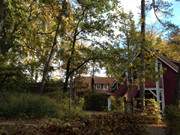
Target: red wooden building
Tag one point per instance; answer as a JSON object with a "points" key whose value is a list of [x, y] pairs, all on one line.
{"points": [[163, 90]]}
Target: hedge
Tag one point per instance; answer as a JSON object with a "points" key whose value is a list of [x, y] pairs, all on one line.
{"points": [[95, 102], [27, 106]]}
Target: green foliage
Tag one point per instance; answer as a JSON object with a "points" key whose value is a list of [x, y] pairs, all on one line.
{"points": [[3, 131], [124, 51], [28, 32], [170, 50], [27, 106], [99, 6], [52, 105], [69, 109], [117, 104], [172, 115], [153, 111], [91, 21], [10, 76], [95, 102]]}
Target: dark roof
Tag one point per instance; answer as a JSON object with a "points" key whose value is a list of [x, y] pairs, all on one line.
{"points": [[176, 62], [104, 80], [168, 62], [98, 80], [162, 58]]}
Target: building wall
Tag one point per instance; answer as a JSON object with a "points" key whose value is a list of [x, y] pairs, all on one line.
{"points": [[169, 84], [101, 86]]}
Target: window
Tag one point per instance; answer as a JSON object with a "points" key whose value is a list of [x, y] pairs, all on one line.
{"points": [[102, 86], [105, 86], [97, 86]]}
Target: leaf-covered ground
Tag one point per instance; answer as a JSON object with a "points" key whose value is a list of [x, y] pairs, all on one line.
{"points": [[97, 124]]}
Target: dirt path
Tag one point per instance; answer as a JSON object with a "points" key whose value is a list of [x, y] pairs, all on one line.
{"points": [[157, 129]]}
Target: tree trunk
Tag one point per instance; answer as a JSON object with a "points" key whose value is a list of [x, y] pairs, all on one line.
{"points": [[92, 79], [3, 13], [142, 74], [68, 66], [92, 84], [72, 72], [129, 103], [48, 61], [64, 12], [71, 91], [66, 80]]}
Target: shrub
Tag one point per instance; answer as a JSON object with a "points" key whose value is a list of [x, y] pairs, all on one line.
{"points": [[153, 110], [73, 111], [95, 102], [172, 115], [117, 104], [11, 76], [58, 96], [28, 106], [69, 109]]}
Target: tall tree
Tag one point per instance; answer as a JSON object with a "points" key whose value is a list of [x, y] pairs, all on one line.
{"points": [[90, 25], [143, 41], [28, 32], [64, 12], [158, 6]]}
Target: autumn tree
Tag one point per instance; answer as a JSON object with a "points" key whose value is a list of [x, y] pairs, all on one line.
{"points": [[158, 7], [174, 36], [91, 24], [28, 32], [62, 17]]}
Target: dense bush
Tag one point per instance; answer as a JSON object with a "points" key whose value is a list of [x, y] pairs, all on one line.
{"points": [[117, 104], [95, 102], [70, 109], [172, 115], [27, 106], [10, 76], [58, 96], [153, 111]]}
